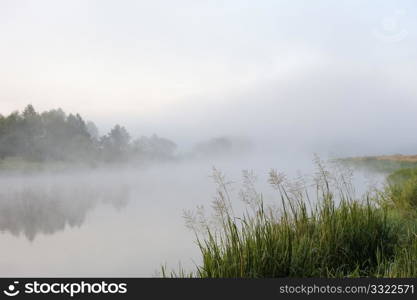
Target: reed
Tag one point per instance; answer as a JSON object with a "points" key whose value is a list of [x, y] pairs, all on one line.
{"points": [[337, 236]]}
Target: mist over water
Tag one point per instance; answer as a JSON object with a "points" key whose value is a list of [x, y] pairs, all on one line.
{"points": [[121, 221], [125, 107]]}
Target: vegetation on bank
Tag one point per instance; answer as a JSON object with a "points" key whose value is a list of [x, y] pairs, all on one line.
{"points": [[29, 138], [381, 164], [402, 189], [330, 234], [55, 140]]}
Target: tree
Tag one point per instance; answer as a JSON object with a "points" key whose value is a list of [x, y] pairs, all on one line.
{"points": [[54, 135], [30, 133], [115, 145], [10, 139], [93, 130], [154, 147], [120, 137]]}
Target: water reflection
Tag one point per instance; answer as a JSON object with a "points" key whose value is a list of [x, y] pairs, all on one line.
{"points": [[30, 207]]}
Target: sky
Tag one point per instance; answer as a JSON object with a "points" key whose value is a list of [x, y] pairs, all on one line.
{"points": [[333, 75]]}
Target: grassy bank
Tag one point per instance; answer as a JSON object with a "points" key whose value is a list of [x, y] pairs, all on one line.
{"points": [[337, 236], [381, 164]]}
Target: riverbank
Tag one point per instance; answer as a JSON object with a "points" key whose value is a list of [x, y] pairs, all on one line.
{"points": [[383, 163], [329, 234]]}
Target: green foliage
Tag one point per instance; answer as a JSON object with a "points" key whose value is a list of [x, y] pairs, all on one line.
{"points": [[402, 188], [404, 264], [55, 136], [115, 145], [47, 136], [340, 236], [377, 165]]}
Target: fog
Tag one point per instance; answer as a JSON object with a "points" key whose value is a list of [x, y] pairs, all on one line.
{"points": [[122, 220], [132, 104], [188, 69]]}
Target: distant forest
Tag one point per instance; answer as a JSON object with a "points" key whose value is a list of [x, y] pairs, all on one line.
{"points": [[56, 136]]}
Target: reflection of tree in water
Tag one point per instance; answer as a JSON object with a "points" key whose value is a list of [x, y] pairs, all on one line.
{"points": [[31, 209]]}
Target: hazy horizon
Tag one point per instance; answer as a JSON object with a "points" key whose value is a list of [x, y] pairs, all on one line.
{"points": [[247, 87], [324, 76]]}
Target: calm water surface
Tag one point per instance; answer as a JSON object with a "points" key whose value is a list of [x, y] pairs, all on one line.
{"points": [[120, 222]]}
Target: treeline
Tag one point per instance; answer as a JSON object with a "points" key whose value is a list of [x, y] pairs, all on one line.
{"points": [[56, 136]]}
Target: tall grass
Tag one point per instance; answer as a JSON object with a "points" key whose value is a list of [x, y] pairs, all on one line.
{"points": [[402, 188], [337, 236]]}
